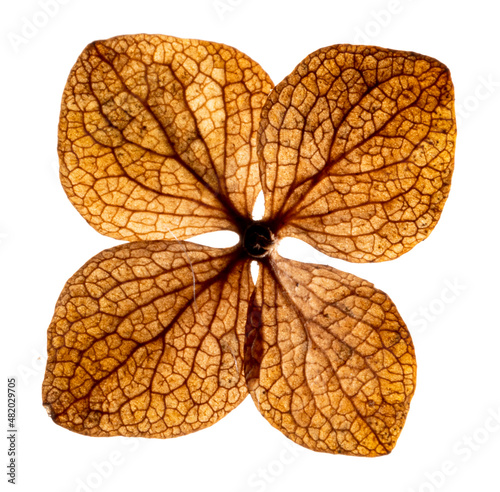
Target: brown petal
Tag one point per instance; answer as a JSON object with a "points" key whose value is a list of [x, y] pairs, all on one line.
{"points": [[328, 360], [157, 136], [357, 150], [147, 340]]}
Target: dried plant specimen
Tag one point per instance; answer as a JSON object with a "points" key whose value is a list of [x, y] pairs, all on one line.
{"points": [[162, 139]]}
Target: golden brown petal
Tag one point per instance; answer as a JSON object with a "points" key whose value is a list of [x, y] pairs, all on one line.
{"points": [[147, 340], [357, 149], [157, 136], [328, 360]]}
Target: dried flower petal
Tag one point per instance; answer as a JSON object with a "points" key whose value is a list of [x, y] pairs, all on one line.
{"points": [[328, 359], [357, 150], [157, 136], [147, 340]]}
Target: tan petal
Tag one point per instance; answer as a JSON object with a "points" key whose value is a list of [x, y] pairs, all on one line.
{"points": [[157, 136], [147, 340], [357, 149], [328, 360]]}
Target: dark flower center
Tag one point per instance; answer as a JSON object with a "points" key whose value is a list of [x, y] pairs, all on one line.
{"points": [[258, 239]]}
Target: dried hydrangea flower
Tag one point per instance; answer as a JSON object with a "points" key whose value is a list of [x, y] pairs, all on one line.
{"points": [[162, 139]]}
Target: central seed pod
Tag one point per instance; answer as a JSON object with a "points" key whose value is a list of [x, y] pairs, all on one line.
{"points": [[258, 239]]}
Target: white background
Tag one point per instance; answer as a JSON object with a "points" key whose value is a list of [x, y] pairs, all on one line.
{"points": [[446, 288]]}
